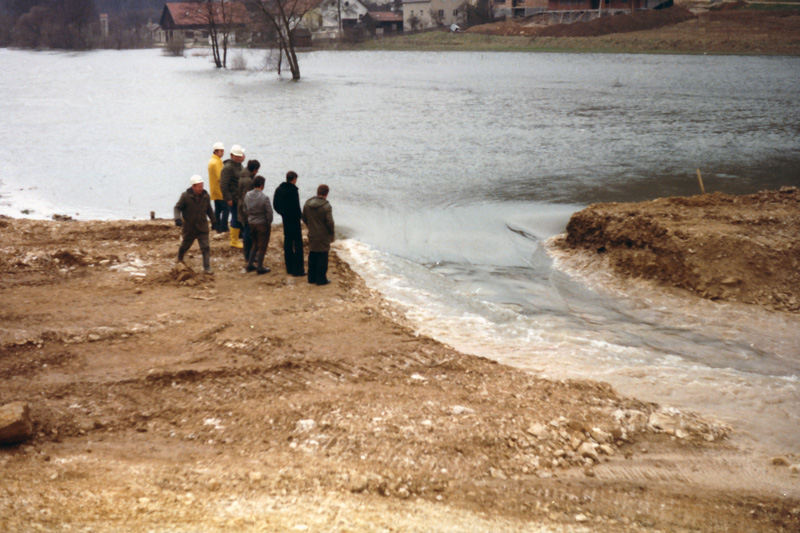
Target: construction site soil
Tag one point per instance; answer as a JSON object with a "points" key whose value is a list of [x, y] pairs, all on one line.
{"points": [[730, 28], [164, 399]]}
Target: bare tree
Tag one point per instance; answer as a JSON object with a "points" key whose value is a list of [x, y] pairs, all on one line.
{"points": [[284, 17], [437, 17], [218, 19], [415, 23]]}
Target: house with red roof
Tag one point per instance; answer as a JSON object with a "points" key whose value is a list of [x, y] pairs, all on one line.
{"points": [[383, 22], [191, 21]]}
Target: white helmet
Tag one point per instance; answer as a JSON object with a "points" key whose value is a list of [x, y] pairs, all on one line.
{"points": [[237, 150], [219, 146], [196, 179]]}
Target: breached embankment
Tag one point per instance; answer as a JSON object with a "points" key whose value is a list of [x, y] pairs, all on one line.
{"points": [[720, 247]]}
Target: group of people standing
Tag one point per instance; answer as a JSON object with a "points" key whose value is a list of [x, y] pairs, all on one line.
{"points": [[237, 192]]}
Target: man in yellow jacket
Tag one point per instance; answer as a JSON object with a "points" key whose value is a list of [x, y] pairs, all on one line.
{"points": [[214, 171]]}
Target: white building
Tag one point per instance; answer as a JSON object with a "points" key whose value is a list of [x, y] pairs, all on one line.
{"points": [[427, 14]]}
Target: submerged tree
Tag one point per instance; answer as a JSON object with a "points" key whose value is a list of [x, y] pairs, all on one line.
{"points": [[283, 17], [218, 19]]}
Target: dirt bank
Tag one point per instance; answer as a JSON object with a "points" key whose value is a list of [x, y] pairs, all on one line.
{"points": [[676, 29], [720, 247], [168, 400]]}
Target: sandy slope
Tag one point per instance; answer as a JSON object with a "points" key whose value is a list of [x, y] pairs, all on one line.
{"points": [[165, 400]]}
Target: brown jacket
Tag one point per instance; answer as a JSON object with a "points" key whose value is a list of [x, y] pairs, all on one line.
{"points": [[318, 216]]}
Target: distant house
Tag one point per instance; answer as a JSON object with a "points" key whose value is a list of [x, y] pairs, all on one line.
{"points": [[154, 33], [190, 21], [323, 19], [383, 22], [429, 14]]}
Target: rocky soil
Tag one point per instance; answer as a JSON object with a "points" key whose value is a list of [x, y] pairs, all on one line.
{"points": [[163, 399]]}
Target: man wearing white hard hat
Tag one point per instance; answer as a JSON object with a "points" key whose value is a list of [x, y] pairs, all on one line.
{"points": [[192, 213], [214, 171], [229, 183]]}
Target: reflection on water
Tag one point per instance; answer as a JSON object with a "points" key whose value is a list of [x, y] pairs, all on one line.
{"points": [[448, 171]]}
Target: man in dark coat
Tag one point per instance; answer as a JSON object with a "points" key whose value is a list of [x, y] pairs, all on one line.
{"points": [[287, 203], [192, 212], [318, 216]]}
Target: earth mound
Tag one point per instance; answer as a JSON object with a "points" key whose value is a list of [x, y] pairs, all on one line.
{"points": [[639, 21], [720, 247]]}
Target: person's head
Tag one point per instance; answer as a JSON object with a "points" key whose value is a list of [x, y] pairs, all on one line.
{"points": [[253, 165], [237, 153], [219, 150], [197, 184], [323, 191], [259, 182], [291, 176]]}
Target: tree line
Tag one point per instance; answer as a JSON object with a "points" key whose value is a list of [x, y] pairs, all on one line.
{"points": [[75, 24]]}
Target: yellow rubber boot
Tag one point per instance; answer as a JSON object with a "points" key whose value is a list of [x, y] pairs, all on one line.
{"points": [[235, 242]]}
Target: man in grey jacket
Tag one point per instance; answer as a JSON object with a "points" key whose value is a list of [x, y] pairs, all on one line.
{"points": [[259, 217], [318, 216]]}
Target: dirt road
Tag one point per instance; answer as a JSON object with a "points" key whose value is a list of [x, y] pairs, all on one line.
{"points": [[165, 400]]}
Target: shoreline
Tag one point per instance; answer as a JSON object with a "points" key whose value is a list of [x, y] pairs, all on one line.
{"points": [[191, 399]]}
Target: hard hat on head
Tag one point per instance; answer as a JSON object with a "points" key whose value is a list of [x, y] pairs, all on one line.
{"points": [[218, 146], [196, 179], [237, 150]]}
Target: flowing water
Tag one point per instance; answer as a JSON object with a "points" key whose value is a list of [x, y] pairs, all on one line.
{"points": [[448, 171]]}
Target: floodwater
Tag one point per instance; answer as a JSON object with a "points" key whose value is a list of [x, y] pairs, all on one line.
{"points": [[448, 172]]}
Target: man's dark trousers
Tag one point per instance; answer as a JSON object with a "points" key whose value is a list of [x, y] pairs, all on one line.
{"points": [[293, 248], [318, 268]]}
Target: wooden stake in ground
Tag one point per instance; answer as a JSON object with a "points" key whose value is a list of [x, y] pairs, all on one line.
{"points": [[700, 179]]}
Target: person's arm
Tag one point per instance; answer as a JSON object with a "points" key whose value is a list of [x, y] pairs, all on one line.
{"points": [[178, 211], [210, 212], [329, 221], [277, 201], [268, 211], [224, 181]]}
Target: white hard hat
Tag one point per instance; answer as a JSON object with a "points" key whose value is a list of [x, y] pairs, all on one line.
{"points": [[237, 150], [196, 179], [218, 146]]}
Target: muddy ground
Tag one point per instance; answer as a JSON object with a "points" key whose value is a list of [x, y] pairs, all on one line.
{"points": [[690, 27], [164, 399]]}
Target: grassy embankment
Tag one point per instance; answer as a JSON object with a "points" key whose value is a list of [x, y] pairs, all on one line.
{"points": [[445, 41]]}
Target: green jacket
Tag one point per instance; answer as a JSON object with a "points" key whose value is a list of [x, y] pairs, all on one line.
{"points": [[318, 216], [245, 186], [229, 180], [196, 212]]}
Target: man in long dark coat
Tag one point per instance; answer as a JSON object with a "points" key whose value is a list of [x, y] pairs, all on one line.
{"points": [[287, 203], [318, 216]]}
